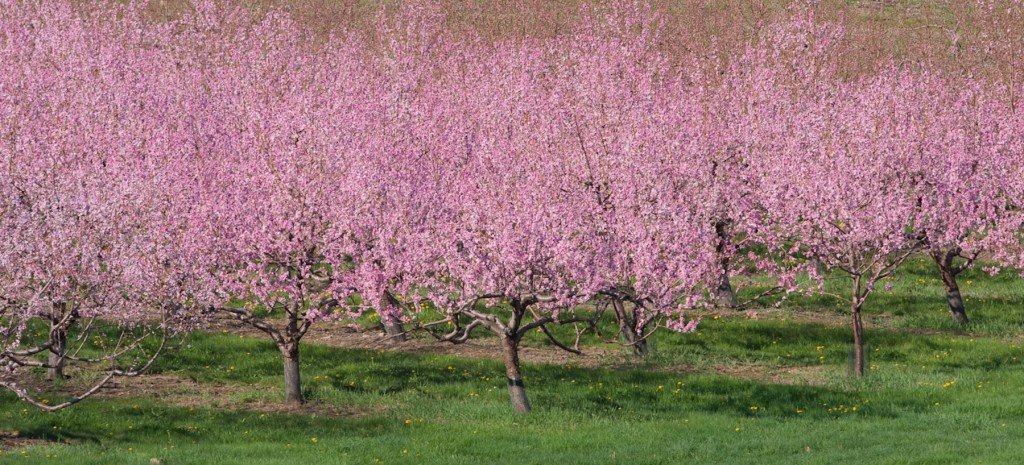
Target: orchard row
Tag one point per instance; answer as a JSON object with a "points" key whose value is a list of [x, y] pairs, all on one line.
{"points": [[155, 174]]}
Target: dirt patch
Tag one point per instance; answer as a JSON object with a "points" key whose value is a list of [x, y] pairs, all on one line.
{"points": [[801, 375], [487, 348], [805, 375], [337, 334], [12, 440], [348, 336], [175, 390], [808, 316], [186, 392]]}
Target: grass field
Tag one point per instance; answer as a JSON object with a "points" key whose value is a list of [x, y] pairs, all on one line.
{"points": [[746, 388], [947, 33]]}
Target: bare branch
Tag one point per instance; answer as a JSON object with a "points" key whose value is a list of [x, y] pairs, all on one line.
{"points": [[247, 317], [558, 344], [23, 394]]}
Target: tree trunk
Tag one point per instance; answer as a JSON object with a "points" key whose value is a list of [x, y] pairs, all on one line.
{"points": [[516, 388], [724, 293], [292, 380], [58, 342], [944, 259], [58, 352], [628, 329], [858, 341], [856, 301], [392, 328]]}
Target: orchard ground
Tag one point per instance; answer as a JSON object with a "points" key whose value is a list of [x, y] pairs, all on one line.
{"points": [[764, 386]]}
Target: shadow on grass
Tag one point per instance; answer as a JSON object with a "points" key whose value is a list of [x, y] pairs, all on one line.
{"points": [[141, 420], [641, 391], [433, 383]]}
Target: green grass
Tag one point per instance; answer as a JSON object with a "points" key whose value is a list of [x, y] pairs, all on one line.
{"points": [[770, 389], [917, 300]]}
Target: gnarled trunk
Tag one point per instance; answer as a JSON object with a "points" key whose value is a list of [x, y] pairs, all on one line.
{"points": [[292, 378], [58, 352], [516, 387], [392, 328], [944, 260], [58, 343], [628, 329], [725, 296]]}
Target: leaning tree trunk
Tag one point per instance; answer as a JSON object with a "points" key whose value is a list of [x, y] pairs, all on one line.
{"points": [[725, 295], [516, 387], [628, 329], [392, 328], [944, 259], [292, 378]]}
